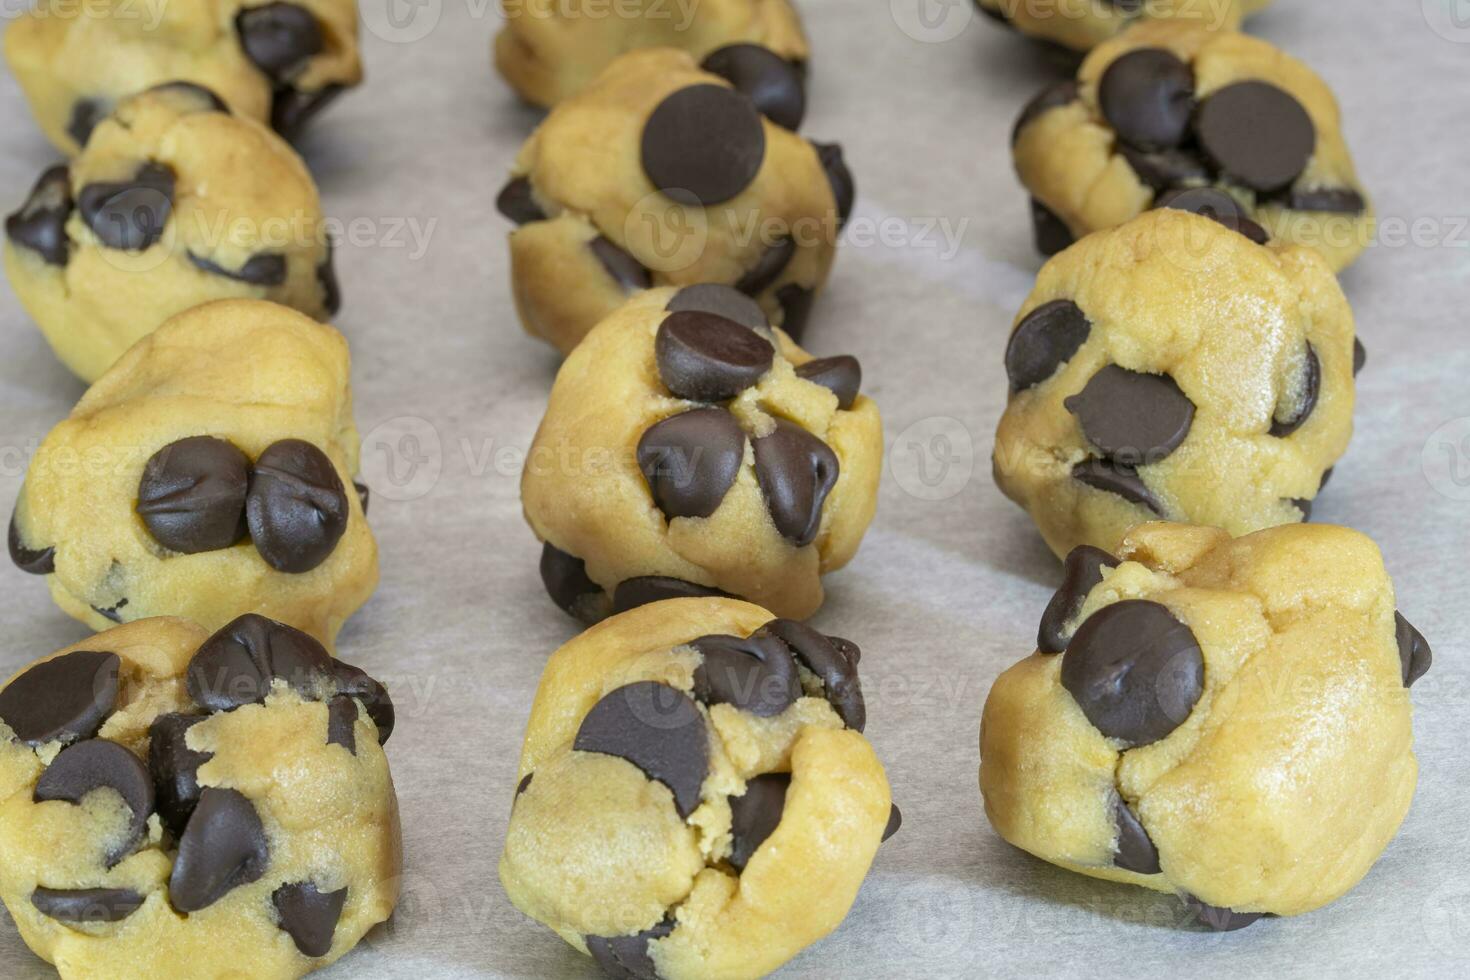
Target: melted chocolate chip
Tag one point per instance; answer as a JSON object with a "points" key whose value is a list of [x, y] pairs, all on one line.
{"points": [[707, 358], [566, 581], [40, 224], [895, 821], [63, 699], [237, 665], [99, 764], [1307, 393], [1331, 200], [1257, 134], [356, 683], [634, 592], [1135, 850], [279, 38], [85, 115], [720, 300], [342, 722], [1216, 205], [768, 267], [130, 215], [1415, 657], [292, 109], [223, 847], [517, 203], [796, 472], [32, 561], [1132, 417], [835, 666], [296, 508], [626, 957], [839, 176], [690, 461], [1360, 356], [656, 728], [112, 613], [192, 495], [1044, 340], [309, 916], [1049, 231], [703, 144], [86, 905], [1218, 919], [258, 270], [1147, 96], [626, 271], [1054, 96], [755, 673], [1164, 169], [770, 81], [175, 769], [197, 97], [755, 815], [796, 308], [1081, 573], [842, 375], [326, 277]]}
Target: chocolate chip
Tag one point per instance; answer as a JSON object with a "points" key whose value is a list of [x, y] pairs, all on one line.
{"points": [[1132, 417], [566, 581], [1216, 205], [63, 699], [1332, 200], [1049, 231], [755, 673], [1415, 656], [1135, 850], [292, 109], [1044, 340], [703, 144], [755, 815], [1147, 96], [1163, 169], [634, 592], [259, 270], [626, 957], [296, 508], [1054, 96], [1304, 504], [279, 38], [796, 307], [174, 768], [516, 202], [768, 267], [656, 728], [88, 905], [99, 764], [364, 495], [1218, 919], [1360, 356], [844, 188], [326, 277], [1135, 670], [796, 472], [847, 649], [85, 115], [720, 300], [1307, 393], [895, 821], [192, 495], [130, 214], [691, 460], [842, 375], [112, 613], [223, 847], [707, 358], [772, 83], [834, 666], [342, 722], [356, 683], [237, 665], [32, 561], [626, 271], [1081, 573], [199, 98], [40, 224], [309, 916], [1257, 134], [525, 783]]}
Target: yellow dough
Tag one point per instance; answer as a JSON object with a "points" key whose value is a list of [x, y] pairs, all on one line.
{"points": [[549, 50], [1252, 338], [144, 834], [750, 820], [239, 217], [73, 61], [609, 542], [1083, 24], [1084, 178], [1278, 786], [247, 372]]}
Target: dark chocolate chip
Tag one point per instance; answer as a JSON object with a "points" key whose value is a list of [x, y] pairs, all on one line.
{"points": [[279, 38], [895, 821], [703, 144], [1132, 417], [32, 561], [839, 176], [292, 109], [796, 308], [755, 815], [1308, 391], [237, 665], [201, 98], [1081, 573], [772, 83], [364, 496], [1360, 356], [131, 214], [834, 666], [1208, 202], [326, 277], [634, 592], [1049, 231], [626, 957], [566, 581], [355, 682], [848, 649], [755, 673], [768, 267], [707, 358], [721, 300], [1332, 200], [40, 224], [1044, 340], [63, 699], [525, 783], [516, 202], [309, 916], [1147, 96], [259, 270], [223, 847], [87, 905], [175, 769], [626, 271], [842, 375], [85, 115], [796, 472], [342, 722], [192, 495], [1257, 134], [1165, 169], [296, 508], [1054, 96], [112, 613], [656, 728], [1415, 656], [1135, 850], [1218, 919], [690, 461], [100, 764], [1135, 670]]}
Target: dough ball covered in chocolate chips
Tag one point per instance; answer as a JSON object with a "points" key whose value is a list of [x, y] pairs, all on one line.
{"points": [[695, 797], [1083, 24], [174, 202], [663, 172], [1173, 368], [277, 62], [1172, 108], [689, 449], [1225, 719], [227, 452], [175, 797]]}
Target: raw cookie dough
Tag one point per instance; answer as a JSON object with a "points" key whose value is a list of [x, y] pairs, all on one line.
{"points": [[274, 62], [690, 449], [1083, 24], [1228, 719], [549, 51], [207, 474], [175, 804], [696, 799], [1174, 368], [660, 173], [1171, 105], [174, 202]]}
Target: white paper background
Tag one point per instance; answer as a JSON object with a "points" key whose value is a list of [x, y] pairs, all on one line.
{"points": [[946, 592]]}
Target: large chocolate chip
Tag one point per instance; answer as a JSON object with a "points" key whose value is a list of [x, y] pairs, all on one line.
{"points": [[174, 768], [835, 667], [292, 109], [796, 308], [237, 665], [1081, 573], [706, 358], [326, 277], [626, 957], [1163, 169], [40, 224], [280, 38], [1135, 670], [341, 722], [1132, 417], [516, 202], [656, 728], [566, 581], [720, 300], [1332, 200], [839, 176], [755, 815], [1054, 96], [842, 375], [895, 821], [1209, 202], [130, 214], [309, 916], [222, 848], [1049, 231], [297, 508], [772, 83], [1257, 134], [1147, 96], [355, 682], [192, 494], [32, 561], [691, 460], [755, 673], [99, 764], [796, 472], [192, 94], [259, 270], [1307, 392], [768, 267], [634, 592], [62, 699], [1218, 919], [1135, 850], [85, 115], [88, 905], [626, 271], [703, 144], [1415, 656], [1044, 340]]}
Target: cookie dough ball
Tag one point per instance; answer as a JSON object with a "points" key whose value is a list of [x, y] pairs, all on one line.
{"points": [[691, 450], [207, 474], [663, 174], [174, 202], [275, 62], [695, 798], [549, 52], [1224, 719], [1173, 368], [168, 797], [1172, 106], [1084, 24]]}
